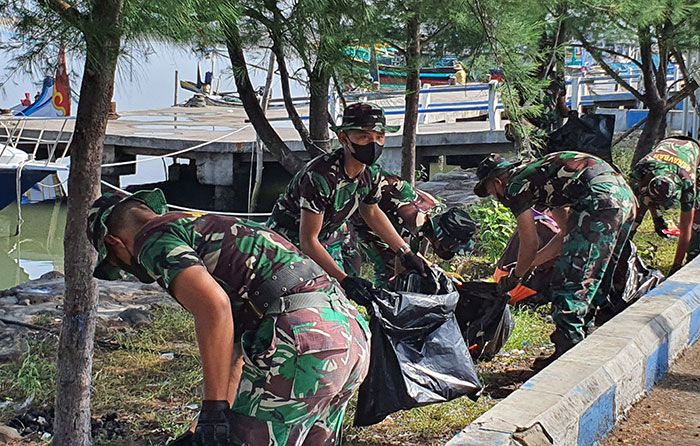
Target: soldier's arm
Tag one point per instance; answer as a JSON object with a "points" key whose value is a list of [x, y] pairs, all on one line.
{"points": [[379, 223], [202, 296], [529, 242], [686, 233], [553, 248], [309, 228]]}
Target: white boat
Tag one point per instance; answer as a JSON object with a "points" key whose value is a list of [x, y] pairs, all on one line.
{"points": [[19, 173]]}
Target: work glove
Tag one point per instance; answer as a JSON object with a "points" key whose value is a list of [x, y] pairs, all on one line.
{"points": [[660, 226], [507, 283], [358, 289], [412, 262], [212, 426]]}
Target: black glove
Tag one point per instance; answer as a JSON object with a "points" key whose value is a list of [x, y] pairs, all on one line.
{"points": [[358, 289], [412, 262], [212, 426], [506, 284], [660, 226]]}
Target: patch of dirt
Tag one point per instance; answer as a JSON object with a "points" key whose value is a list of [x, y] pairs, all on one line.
{"points": [[670, 415]]}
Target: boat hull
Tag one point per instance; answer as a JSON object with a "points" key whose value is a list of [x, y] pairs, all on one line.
{"points": [[8, 182]]}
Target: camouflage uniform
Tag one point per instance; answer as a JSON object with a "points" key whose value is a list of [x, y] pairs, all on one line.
{"points": [[414, 214], [323, 187], [673, 166], [300, 367], [600, 219]]}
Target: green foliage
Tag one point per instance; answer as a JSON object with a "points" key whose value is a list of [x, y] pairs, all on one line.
{"points": [[531, 329], [31, 376], [497, 224]]}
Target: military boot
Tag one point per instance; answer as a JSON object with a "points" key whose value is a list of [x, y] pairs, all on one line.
{"points": [[562, 344]]}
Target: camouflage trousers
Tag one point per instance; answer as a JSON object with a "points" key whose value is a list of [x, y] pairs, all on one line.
{"points": [[583, 273], [300, 370]]}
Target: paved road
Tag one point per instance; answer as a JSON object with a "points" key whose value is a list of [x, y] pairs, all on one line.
{"points": [[670, 415]]}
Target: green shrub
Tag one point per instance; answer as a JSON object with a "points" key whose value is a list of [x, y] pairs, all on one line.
{"points": [[497, 225]]}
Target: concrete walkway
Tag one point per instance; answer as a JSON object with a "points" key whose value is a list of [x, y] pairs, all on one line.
{"points": [[670, 415]]}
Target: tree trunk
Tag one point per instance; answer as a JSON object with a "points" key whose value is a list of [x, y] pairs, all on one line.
{"points": [[75, 350], [259, 147], [267, 134], [653, 131], [410, 120], [319, 85], [299, 126]]}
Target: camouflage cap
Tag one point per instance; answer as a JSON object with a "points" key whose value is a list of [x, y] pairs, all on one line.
{"points": [[97, 225], [488, 168], [365, 116], [663, 191], [453, 233]]}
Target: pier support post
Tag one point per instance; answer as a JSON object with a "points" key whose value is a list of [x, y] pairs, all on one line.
{"points": [[493, 112], [217, 169], [112, 154]]}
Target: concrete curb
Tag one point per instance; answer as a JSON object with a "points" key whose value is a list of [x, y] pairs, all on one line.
{"points": [[578, 399]]}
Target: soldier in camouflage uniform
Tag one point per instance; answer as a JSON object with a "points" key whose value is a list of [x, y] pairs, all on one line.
{"points": [[304, 347], [417, 216], [668, 175], [323, 196], [594, 208]]}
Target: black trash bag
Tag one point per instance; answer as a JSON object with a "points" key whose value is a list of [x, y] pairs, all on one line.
{"points": [[632, 280], [418, 355], [484, 317], [588, 133]]}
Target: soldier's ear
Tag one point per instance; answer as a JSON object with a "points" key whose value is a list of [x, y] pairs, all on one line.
{"points": [[111, 240]]}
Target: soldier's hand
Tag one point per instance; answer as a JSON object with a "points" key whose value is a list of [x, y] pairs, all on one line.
{"points": [[212, 426], [413, 262], [358, 289], [660, 226], [507, 283]]}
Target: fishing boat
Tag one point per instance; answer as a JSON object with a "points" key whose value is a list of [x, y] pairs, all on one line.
{"points": [[391, 72], [204, 88], [19, 173]]}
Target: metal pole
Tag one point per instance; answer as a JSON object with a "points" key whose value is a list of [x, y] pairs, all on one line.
{"points": [[177, 87]]}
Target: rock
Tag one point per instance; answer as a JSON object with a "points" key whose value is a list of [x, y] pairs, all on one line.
{"points": [[8, 434], [13, 343], [135, 317], [8, 300], [52, 275]]}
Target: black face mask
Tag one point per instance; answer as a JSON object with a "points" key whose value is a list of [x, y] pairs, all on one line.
{"points": [[368, 153]]}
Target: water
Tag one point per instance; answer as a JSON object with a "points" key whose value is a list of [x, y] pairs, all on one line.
{"points": [[33, 248]]}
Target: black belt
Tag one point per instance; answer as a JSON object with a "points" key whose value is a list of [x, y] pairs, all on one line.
{"points": [[273, 296]]}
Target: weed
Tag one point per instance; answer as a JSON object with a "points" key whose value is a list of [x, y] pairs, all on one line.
{"points": [[497, 226]]}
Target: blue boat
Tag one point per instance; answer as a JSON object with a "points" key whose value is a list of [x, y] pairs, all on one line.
{"points": [[14, 164]]}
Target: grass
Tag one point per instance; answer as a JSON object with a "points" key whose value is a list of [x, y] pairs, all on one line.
{"points": [[150, 394]]}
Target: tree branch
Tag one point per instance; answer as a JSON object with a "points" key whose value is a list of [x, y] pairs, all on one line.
{"points": [[65, 10], [686, 74], [687, 90], [608, 69], [613, 52]]}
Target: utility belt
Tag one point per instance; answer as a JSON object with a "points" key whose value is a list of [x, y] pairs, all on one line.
{"points": [[272, 297]]}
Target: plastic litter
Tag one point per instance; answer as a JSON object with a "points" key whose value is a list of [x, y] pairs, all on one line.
{"points": [[418, 354], [589, 133]]}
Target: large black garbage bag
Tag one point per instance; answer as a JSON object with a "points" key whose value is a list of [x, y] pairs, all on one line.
{"points": [[632, 280], [588, 133], [418, 355], [484, 317]]}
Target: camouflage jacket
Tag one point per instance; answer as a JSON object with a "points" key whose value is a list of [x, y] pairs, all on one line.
{"points": [[408, 209], [676, 158], [239, 254], [323, 187], [565, 179]]}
